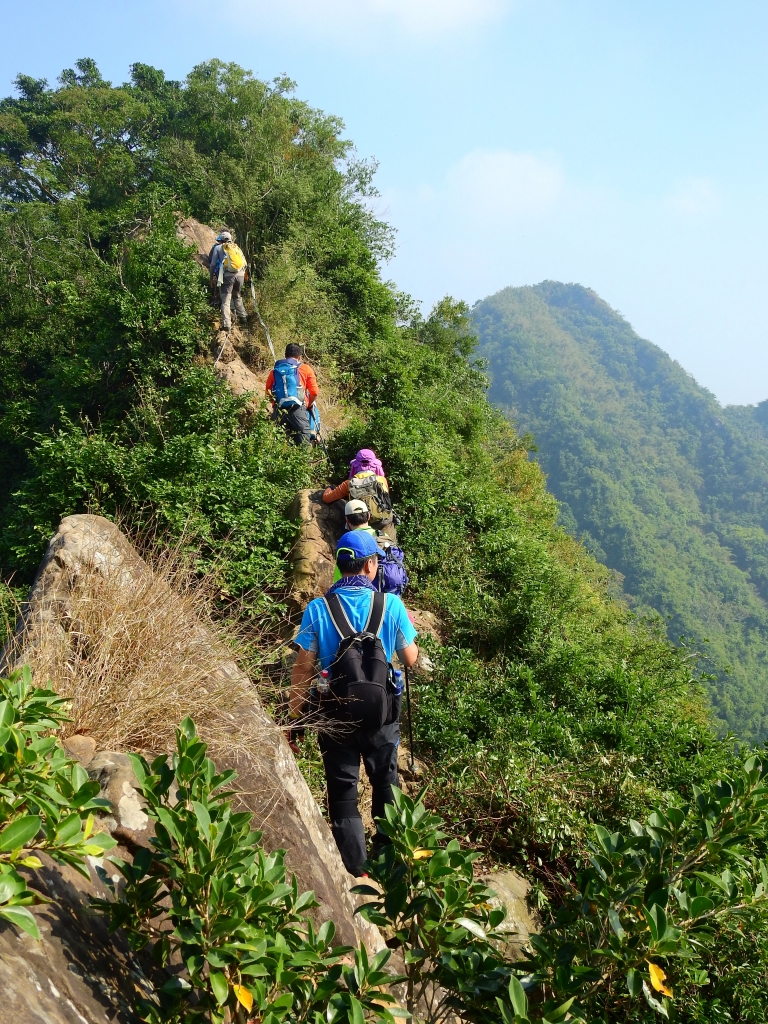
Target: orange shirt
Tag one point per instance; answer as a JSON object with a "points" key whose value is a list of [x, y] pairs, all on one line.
{"points": [[334, 493], [342, 491], [307, 379]]}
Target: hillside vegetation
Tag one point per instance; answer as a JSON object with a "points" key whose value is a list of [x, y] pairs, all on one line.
{"points": [[552, 706], [662, 484]]}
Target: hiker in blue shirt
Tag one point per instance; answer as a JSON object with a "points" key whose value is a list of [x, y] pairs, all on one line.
{"points": [[358, 609]]}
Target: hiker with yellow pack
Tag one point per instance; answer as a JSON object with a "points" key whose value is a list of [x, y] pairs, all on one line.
{"points": [[226, 264]]}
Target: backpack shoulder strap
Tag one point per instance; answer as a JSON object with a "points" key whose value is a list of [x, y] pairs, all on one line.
{"points": [[376, 616], [339, 617]]}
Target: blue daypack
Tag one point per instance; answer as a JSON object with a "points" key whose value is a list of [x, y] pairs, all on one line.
{"points": [[287, 386], [392, 577]]}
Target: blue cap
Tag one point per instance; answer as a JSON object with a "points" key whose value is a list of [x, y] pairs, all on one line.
{"points": [[356, 544]]}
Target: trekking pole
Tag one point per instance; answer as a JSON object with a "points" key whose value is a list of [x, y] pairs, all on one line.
{"points": [[258, 317], [410, 716]]}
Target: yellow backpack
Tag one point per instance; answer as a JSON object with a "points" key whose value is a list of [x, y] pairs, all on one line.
{"points": [[233, 261]]}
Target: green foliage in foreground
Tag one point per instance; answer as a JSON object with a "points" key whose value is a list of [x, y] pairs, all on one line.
{"points": [[637, 935], [240, 928], [663, 484], [46, 799]]}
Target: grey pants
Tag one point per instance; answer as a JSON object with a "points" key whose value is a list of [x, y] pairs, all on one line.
{"points": [[295, 422], [341, 759], [229, 291]]}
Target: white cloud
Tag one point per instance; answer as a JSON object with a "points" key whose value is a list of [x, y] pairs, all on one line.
{"points": [[497, 187]]}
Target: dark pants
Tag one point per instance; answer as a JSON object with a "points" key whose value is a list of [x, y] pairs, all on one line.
{"points": [[341, 758], [295, 423]]}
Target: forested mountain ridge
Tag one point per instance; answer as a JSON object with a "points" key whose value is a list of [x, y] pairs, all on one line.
{"points": [[553, 719], [663, 484]]}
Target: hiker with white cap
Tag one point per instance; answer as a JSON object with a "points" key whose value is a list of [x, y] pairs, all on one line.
{"points": [[391, 577], [226, 265]]}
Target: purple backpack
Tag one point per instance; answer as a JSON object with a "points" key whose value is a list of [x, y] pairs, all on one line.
{"points": [[392, 577]]}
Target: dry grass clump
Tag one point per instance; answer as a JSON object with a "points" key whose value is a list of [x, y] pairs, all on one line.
{"points": [[136, 648]]}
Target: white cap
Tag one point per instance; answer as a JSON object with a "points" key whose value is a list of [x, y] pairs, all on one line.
{"points": [[355, 507]]}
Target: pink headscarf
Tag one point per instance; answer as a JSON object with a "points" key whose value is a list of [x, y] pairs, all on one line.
{"points": [[365, 462]]}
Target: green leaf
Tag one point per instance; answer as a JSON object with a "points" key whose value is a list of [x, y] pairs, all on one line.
{"points": [[19, 832], [471, 926], [22, 918], [657, 921], [100, 842], [203, 818], [69, 828], [555, 1016], [518, 997], [174, 985], [187, 728], [615, 923], [11, 883], [218, 982], [700, 905], [6, 713], [634, 982], [357, 1015]]}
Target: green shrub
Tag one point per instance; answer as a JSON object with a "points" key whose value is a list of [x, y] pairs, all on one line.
{"points": [[239, 925], [46, 799]]}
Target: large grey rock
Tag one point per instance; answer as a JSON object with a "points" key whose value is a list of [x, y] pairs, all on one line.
{"points": [[87, 549], [78, 973], [313, 553], [200, 236]]}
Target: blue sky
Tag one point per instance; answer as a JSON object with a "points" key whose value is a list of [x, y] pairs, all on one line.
{"points": [[622, 144]]}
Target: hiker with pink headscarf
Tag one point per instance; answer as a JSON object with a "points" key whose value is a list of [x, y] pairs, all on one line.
{"points": [[366, 483]]}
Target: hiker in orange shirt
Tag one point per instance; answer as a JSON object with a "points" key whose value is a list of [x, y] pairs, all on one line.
{"points": [[368, 484], [292, 388]]}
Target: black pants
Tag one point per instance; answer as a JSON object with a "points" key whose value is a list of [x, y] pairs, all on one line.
{"points": [[295, 422], [341, 758]]}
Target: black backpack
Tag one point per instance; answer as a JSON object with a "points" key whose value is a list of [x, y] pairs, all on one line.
{"points": [[361, 690]]}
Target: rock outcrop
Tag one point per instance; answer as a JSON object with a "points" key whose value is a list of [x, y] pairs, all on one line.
{"points": [[512, 894], [312, 555], [231, 368], [200, 236], [91, 549], [78, 973], [228, 363]]}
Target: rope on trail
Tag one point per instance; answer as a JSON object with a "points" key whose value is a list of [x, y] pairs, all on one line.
{"points": [[258, 317], [218, 357], [264, 328]]}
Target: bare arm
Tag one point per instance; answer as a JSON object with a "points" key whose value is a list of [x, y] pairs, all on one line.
{"points": [[409, 654], [301, 679]]}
